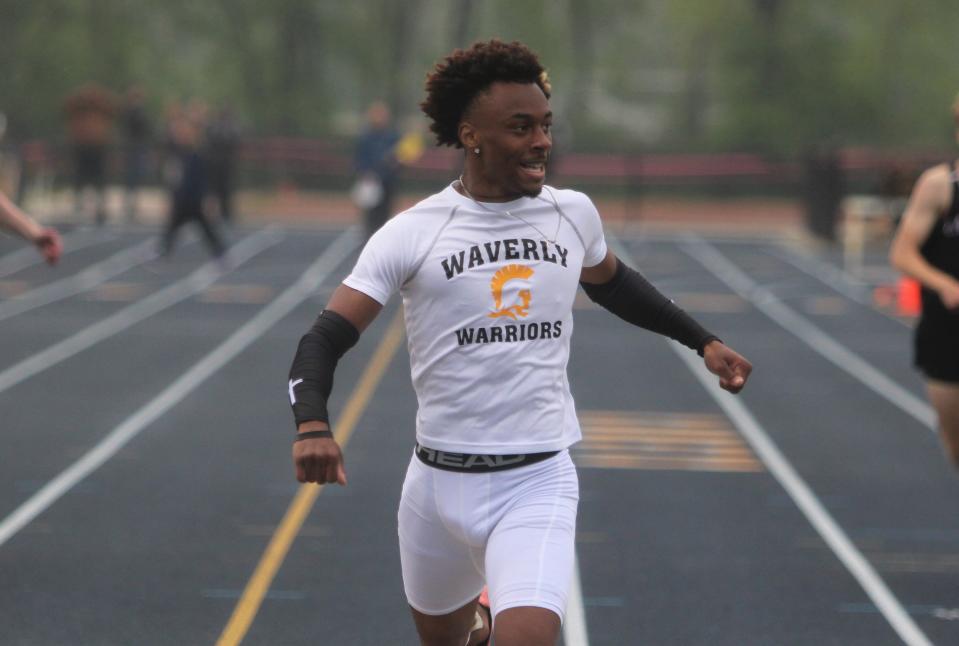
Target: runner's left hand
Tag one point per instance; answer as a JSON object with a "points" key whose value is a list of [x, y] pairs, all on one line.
{"points": [[732, 368]]}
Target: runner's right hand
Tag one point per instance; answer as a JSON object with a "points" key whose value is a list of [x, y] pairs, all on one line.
{"points": [[318, 460]]}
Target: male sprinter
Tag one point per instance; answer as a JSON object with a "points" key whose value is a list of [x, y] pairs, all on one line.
{"points": [[488, 270]]}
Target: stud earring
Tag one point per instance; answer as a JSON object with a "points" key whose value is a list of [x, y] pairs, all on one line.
{"points": [[476, 150]]}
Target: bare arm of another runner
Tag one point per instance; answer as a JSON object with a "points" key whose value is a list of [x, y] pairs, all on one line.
{"points": [[46, 239], [319, 459], [929, 199], [635, 302]]}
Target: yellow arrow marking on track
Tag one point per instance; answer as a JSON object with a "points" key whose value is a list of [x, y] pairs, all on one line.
{"points": [[672, 441], [249, 604]]}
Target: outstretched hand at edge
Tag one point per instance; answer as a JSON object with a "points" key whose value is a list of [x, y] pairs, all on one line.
{"points": [[732, 368], [49, 243]]}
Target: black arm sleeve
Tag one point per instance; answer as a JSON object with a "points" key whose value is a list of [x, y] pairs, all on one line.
{"points": [[632, 298], [311, 375]]}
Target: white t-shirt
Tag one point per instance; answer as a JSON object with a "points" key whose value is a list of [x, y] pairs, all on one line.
{"points": [[488, 300]]}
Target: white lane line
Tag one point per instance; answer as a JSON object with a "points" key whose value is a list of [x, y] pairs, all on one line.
{"points": [[574, 628], [28, 256], [802, 495], [20, 259], [253, 329], [196, 282], [808, 503], [90, 277], [835, 278], [773, 307]]}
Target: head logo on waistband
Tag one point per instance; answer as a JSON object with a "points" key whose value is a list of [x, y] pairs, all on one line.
{"points": [[500, 278]]}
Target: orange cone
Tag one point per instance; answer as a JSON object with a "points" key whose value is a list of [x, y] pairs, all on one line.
{"points": [[908, 298]]}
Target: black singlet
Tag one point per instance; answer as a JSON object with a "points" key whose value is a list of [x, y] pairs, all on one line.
{"points": [[937, 335]]}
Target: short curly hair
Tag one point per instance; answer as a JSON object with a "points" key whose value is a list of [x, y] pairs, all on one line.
{"points": [[458, 79]]}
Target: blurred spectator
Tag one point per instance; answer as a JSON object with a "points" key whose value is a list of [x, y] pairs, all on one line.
{"points": [[222, 144], [135, 124], [199, 111], [823, 189], [955, 116], [46, 239], [376, 167], [169, 155], [90, 111], [188, 183], [9, 163]]}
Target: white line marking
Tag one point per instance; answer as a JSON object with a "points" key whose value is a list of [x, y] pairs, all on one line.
{"points": [[20, 259], [802, 495], [807, 502], [132, 314], [836, 279], [88, 278], [574, 628], [28, 256], [282, 305], [773, 307]]}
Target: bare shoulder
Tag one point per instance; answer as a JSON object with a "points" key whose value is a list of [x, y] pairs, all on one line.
{"points": [[930, 198], [935, 184]]}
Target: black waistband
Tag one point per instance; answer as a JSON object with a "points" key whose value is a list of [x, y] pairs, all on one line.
{"points": [[477, 462]]}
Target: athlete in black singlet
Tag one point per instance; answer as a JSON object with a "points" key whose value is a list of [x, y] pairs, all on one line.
{"points": [[926, 247]]}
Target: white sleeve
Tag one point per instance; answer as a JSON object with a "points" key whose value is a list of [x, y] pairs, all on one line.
{"points": [[593, 238], [386, 261]]}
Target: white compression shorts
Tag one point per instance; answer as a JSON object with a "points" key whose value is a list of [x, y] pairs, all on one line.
{"points": [[513, 530]]}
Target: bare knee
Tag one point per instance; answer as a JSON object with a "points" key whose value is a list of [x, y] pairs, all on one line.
{"points": [[453, 629], [945, 399], [526, 626]]}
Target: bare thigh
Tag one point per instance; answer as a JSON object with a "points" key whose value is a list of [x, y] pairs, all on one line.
{"points": [[945, 399]]}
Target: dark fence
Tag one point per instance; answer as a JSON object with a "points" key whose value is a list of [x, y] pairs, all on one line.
{"points": [[818, 176], [317, 161]]}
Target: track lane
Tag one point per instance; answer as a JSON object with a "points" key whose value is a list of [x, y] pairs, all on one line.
{"points": [[156, 546]]}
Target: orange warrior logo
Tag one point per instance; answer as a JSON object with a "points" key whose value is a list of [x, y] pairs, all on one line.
{"points": [[500, 278]]}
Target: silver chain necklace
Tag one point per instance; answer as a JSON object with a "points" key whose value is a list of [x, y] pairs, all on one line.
{"points": [[559, 217]]}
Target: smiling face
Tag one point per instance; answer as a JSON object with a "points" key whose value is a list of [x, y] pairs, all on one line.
{"points": [[510, 124]]}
